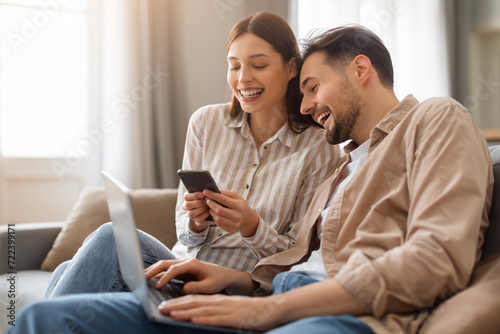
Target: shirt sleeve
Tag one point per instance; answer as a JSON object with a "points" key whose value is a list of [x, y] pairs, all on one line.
{"points": [[449, 184], [267, 240], [193, 160]]}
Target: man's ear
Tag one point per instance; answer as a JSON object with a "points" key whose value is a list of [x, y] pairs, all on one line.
{"points": [[292, 68], [363, 68]]}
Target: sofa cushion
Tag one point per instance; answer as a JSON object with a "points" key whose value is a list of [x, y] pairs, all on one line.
{"points": [[474, 310], [154, 211], [492, 236], [30, 287]]}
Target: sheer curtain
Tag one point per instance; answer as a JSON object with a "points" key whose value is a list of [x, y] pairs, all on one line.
{"points": [[139, 145], [415, 33]]}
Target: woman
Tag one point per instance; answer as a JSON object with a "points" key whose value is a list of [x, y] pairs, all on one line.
{"points": [[259, 145]]}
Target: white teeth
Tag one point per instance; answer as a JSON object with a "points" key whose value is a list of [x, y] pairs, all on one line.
{"points": [[251, 93], [322, 117]]}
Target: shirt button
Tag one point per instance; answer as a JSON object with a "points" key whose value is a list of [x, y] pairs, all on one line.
{"points": [[255, 165], [247, 186], [265, 147], [220, 234]]}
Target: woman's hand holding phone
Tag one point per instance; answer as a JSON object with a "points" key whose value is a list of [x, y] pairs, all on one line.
{"points": [[231, 212], [204, 203], [197, 211]]}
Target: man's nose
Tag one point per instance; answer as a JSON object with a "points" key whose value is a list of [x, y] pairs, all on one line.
{"points": [[307, 106]]}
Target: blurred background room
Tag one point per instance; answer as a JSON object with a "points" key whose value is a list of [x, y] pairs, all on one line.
{"points": [[87, 85]]}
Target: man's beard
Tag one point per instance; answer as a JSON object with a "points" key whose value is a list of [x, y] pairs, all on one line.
{"points": [[346, 116]]}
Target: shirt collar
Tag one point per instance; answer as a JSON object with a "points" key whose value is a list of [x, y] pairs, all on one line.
{"points": [[387, 124], [236, 122], [396, 114], [360, 151], [284, 134]]}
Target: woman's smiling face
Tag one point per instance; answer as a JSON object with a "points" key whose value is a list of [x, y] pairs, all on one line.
{"points": [[257, 75]]}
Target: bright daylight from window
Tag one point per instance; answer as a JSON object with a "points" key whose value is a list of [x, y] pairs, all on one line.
{"points": [[43, 77]]}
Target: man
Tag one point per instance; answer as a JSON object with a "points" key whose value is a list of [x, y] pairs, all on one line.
{"points": [[396, 228]]}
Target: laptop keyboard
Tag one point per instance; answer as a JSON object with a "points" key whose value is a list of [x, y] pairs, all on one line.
{"points": [[172, 290]]}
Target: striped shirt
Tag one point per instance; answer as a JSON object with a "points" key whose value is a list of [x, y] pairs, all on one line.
{"points": [[277, 180]]}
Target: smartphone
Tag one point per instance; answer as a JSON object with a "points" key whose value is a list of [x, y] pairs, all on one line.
{"points": [[197, 181]]}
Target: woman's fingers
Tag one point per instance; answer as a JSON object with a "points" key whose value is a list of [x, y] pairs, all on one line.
{"points": [[193, 196], [199, 214], [192, 205], [196, 206], [225, 223]]}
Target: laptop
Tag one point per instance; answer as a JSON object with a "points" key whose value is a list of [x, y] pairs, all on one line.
{"points": [[130, 259]]}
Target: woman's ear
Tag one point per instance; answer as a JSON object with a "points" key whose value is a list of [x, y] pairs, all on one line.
{"points": [[292, 68]]}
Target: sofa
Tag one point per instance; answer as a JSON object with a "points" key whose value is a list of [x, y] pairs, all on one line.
{"points": [[40, 247]]}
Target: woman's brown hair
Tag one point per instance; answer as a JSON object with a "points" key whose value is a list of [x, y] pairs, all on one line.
{"points": [[273, 29]]}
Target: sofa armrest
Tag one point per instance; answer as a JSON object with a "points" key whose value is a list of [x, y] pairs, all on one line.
{"points": [[31, 243]]}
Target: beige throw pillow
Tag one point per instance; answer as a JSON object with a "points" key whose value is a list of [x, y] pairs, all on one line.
{"points": [[154, 210]]}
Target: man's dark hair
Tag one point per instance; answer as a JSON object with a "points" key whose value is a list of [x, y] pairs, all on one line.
{"points": [[344, 43]]}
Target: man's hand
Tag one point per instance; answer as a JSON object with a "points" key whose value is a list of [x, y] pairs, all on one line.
{"points": [[225, 311], [231, 212], [209, 278], [262, 313]]}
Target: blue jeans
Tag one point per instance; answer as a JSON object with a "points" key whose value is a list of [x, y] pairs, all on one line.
{"points": [[95, 268], [341, 324], [121, 313]]}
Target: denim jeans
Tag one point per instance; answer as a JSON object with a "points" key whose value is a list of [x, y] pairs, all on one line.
{"points": [[120, 313], [95, 267], [342, 324]]}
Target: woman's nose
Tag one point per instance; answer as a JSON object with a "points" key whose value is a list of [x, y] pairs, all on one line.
{"points": [[245, 75]]}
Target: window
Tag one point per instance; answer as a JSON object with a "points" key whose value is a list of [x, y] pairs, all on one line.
{"points": [[44, 76]]}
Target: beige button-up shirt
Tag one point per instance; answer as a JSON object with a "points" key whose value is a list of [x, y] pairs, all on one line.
{"points": [[409, 226]]}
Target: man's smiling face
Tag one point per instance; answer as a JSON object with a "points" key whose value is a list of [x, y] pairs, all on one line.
{"points": [[329, 97]]}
